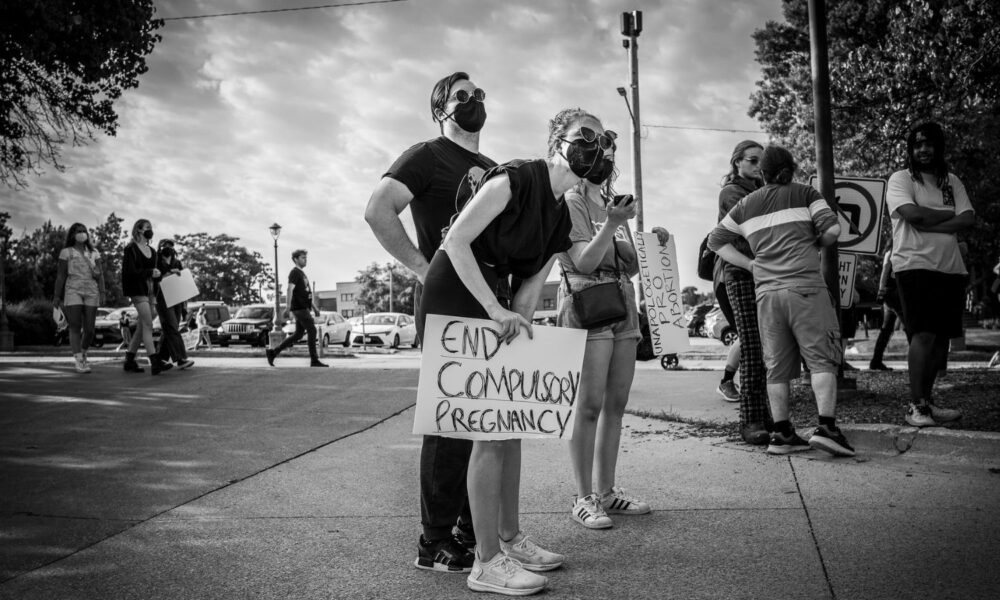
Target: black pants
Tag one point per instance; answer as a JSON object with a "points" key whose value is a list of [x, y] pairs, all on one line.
{"points": [[890, 312], [171, 342], [303, 324], [444, 461]]}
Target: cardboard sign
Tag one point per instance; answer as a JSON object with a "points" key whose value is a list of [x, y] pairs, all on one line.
{"points": [[191, 338], [473, 386], [661, 289], [178, 288]]}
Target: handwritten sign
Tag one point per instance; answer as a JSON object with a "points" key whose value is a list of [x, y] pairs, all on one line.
{"points": [[474, 386], [662, 292], [178, 288]]}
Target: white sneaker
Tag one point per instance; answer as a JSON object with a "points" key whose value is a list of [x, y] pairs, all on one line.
{"points": [[944, 415], [587, 511], [919, 416], [994, 361], [531, 556], [617, 502], [79, 364], [504, 575]]}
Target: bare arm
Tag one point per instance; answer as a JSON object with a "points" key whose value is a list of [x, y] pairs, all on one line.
{"points": [[61, 275], [388, 200], [923, 216], [587, 255], [101, 286], [830, 235], [883, 280], [530, 291], [956, 223], [731, 255], [488, 202]]}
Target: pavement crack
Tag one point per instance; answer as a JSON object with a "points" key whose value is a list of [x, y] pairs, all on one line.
{"points": [[812, 532]]}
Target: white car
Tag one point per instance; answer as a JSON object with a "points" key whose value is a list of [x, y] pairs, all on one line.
{"points": [[390, 330], [335, 329]]}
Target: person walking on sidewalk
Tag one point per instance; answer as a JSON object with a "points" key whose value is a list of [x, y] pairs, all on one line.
{"points": [[602, 251], [171, 342], [201, 323], [427, 178], [735, 291], [784, 223], [928, 207], [79, 290], [138, 271], [888, 296], [302, 305]]}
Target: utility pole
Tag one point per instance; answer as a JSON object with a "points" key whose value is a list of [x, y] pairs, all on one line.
{"points": [[631, 28], [389, 267]]}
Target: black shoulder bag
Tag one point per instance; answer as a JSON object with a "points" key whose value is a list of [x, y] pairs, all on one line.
{"points": [[602, 304]]}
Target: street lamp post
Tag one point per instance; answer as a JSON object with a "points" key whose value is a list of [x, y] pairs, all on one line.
{"points": [[276, 333], [631, 28]]}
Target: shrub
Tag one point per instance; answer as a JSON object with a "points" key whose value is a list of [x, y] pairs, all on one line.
{"points": [[31, 321]]}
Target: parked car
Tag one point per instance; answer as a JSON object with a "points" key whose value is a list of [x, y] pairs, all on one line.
{"points": [[696, 319], [390, 330], [252, 324], [216, 313], [718, 327], [335, 328], [107, 328]]}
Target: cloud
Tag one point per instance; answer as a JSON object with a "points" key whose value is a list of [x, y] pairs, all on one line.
{"points": [[293, 117]]}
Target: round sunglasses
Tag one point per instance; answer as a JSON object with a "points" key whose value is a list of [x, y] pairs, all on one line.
{"points": [[605, 140], [463, 96]]}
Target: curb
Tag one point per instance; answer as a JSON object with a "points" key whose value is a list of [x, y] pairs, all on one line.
{"points": [[931, 442]]}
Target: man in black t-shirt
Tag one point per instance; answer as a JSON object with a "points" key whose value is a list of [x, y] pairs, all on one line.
{"points": [[300, 304], [427, 178]]}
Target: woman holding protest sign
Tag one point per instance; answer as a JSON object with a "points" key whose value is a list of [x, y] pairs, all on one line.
{"points": [[602, 253], [171, 342], [514, 225]]}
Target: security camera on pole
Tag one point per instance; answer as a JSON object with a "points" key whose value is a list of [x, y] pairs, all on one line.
{"points": [[631, 27]]}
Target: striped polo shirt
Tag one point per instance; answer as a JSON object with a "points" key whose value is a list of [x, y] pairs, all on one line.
{"points": [[782, 223]]}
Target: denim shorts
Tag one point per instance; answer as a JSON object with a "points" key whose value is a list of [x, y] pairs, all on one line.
{"points": [[73, 298], [627, 329], [798, 322]]}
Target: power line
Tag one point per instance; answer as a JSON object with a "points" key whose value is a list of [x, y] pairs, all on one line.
{"points": [[278, 10], [703, 128]]}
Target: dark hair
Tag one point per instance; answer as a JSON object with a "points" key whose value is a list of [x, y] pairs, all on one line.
{"points": [[560, 124], [777, 165], [71, 236], [935, 135], [139, 226], [734, 160], [297, 253], [442, 91]]}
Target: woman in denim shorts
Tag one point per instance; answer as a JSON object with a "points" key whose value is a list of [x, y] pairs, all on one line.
{"points": [[602, 251], [138, 271], [79, 291]]}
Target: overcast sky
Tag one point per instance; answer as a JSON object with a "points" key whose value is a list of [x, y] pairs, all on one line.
{"points": [[292, 117]]}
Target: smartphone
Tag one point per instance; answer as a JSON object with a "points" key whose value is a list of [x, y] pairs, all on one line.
{"points": [[623, 200]]}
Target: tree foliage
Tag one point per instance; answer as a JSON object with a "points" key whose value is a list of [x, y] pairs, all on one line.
{"points": [[63, 63], [374, 295], [110, 240], [893, 64], [223, 269]]}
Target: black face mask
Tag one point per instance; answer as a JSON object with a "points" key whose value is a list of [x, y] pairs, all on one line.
{"points": [[584, 158], [167, 252], [602, 171], [470, 116], [148, 234]]}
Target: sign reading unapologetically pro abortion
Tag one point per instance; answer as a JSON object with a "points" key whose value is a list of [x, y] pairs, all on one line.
{"points": [[474, 386], [662, 291]]}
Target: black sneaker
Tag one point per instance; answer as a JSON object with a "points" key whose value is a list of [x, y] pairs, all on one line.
{"points": [[447, 556], [270, 356], [786, 444], [317, 363], [833, 442], [879, 366], [755, 434]]}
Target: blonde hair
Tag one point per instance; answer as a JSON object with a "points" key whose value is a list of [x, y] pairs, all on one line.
{"points": [[560, 124], [138, 227]]}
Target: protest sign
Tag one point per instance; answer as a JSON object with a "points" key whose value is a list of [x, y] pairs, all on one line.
{"points": [[474, 386], [662, 292], [190, 338], [178, 288]]}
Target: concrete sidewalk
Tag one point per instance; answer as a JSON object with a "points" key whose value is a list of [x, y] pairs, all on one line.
{"points": [[235, 481]]}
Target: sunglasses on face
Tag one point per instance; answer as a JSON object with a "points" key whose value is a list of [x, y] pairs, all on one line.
{"points": [[463, 96], [605, 140]]}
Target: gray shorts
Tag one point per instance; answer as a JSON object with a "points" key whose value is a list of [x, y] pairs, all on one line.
{"points": [[628, 329], [797, 322]]}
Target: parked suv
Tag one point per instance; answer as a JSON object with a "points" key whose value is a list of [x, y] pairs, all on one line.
{"points": [[215, 314], [252, 324]]}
